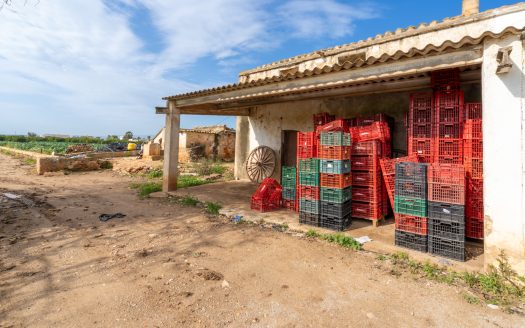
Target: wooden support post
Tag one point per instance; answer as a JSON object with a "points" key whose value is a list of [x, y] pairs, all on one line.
{"points": [[171, 149]]}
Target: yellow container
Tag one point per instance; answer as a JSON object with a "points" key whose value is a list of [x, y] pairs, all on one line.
{"points": [[132, 146]]}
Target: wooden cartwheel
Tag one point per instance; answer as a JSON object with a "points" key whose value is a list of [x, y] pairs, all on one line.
{"points": [[260, 164]]}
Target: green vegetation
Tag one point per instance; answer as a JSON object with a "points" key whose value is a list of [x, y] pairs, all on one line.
{"points": [[45, 147], [500, 285], [106, 165], [145, 189], [29, 161], [207, 167], [155, 173], [212, 208], [189, 201], [185, 181], [337, 238]]}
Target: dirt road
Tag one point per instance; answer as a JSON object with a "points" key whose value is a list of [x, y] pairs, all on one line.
{"points": [[165, 265]]}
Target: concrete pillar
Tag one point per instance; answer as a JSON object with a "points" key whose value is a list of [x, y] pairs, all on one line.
{"points": [[470, 7], [242, 144], [171, 148], [504, 152]]}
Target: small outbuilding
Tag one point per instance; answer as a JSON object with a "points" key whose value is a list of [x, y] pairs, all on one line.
{"points": [[375, 76]]}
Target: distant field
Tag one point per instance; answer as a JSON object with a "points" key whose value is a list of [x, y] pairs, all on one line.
{"points": [[45, 147]]}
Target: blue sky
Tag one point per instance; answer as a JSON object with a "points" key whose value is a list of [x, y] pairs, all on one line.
{"points": [[100, 67]]}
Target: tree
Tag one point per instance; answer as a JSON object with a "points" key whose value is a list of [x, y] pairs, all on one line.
{"points": [[128, 135], [31, 134]]}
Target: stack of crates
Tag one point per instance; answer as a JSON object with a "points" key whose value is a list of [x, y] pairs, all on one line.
{"points": [[410, 206], [420, 123], [388, 168], [446, 210], [289, 184], [448, 147], [308, 186], [367, 192], [473, 161], [336, 180]]}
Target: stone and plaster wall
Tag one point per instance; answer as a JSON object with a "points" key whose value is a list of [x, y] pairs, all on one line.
{"points": [[504, 153], [217, 146]]}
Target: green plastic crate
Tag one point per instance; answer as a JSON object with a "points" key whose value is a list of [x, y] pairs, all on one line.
{"points": [[410, 206], [334, 195], [289, 182], [309, 179], [288, 171], [310, 165], [335, 166], [338, 138]]}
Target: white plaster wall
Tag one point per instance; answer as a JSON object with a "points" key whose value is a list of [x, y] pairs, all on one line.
{"points": [[503, 147]]}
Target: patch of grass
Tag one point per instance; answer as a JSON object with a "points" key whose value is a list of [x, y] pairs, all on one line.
{"points": [[145, 189], [154, 174], [343, 240], [471, 299], [29, 161], [185, 181], [212, 208], [189, 201], [500, 285], [382, 257], [312, 233]]}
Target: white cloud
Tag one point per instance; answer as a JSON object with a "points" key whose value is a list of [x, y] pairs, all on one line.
{"points": [[81, 64]]}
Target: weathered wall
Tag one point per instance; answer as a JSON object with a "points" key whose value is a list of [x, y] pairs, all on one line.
{"points": [[219, 146], [226, 147], [504, 153], [267, 122]]}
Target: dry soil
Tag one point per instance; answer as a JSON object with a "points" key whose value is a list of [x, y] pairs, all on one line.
{"points": [[165, 265]]}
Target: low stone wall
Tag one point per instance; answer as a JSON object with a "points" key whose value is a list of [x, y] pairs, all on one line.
{"points": [[47, 163]]}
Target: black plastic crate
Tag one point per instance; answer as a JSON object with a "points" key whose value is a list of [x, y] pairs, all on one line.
{"points": [[334, 222], [309, 218], [411, 171], [412, 241], [336, 209], [446, 229], [451, 249], [411, 188], [451, 212]]}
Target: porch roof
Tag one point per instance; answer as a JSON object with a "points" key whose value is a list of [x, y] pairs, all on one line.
{"points": [[361, 62]]}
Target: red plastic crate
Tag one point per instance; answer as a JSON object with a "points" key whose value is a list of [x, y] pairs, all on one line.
{"points": [[474, 228], [453, 174], [367, 194], [366, 178], [474, 207], [336, 125], [448, 130], [423, 148], [365, 163], [305, 152], [290, 205], [412, 224], [449, 151], [445, 80], [449, 107], [369, 148], [420, 130], [309, 192], [306, 139], [473, 111], [374, 131], [420, 111], [371, 211], [335, 152], [322, 119], [473, 129], [266, 205], [473, 148], [267, 188], [336, 180], [446, 193], [475, 187], [474, 168]]}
